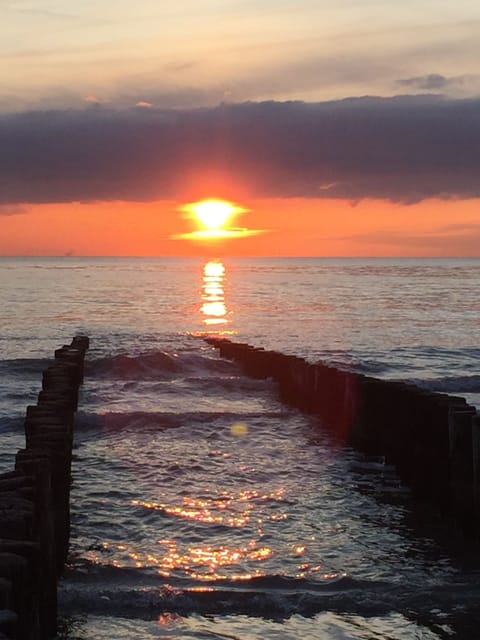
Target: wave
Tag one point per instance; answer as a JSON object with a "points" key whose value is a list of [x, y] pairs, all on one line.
{"points": [[372, 367], [11, 424], [124, 366], [24, 367], [156, 364], [145, 420], [131, 593], [450, 384], [401, 363], [231, 383], [135, 593], [191, 385]]}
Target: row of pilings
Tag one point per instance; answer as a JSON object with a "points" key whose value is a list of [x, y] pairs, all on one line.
{"points": [[35, 503], [433, 439]]}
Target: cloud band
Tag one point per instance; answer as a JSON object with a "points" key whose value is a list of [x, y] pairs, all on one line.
{"points": [[403, 149]]}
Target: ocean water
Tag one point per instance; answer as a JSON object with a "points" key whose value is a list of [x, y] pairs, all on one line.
{"points": [[202, 507]]}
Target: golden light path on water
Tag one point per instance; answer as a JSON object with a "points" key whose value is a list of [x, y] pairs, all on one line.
{"points": [[213, 305]]}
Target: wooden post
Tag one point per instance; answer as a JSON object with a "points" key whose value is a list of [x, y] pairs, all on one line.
{"points": [[429, 436], [476, 469]]}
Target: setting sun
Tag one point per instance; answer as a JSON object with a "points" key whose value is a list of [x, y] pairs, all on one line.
{"points": [[213, 214]]}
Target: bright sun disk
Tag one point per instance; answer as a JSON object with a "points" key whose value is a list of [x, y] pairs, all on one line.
{"points": [[212, 214]]}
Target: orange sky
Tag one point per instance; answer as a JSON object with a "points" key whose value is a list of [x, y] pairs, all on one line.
{"points": [[315, 227], [137, 108]]}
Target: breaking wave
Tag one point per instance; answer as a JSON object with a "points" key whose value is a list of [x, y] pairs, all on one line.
{"points": [[130, 593], [157, 364], [450, 384]]}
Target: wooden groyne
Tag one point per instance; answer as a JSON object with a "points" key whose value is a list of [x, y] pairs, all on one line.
{"points": [[433, 439], [35, 503]]}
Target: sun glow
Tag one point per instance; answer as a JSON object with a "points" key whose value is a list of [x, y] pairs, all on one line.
{"points": [[213, 214], [214, 217]]}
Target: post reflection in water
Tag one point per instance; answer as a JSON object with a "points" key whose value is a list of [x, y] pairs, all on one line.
{"points": [[213, 309]]}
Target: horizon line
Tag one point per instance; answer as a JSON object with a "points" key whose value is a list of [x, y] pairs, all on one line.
{"points": [[282, 257]]}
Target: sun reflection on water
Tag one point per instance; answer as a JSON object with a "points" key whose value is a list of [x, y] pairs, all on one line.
{"points": [[213, 306], [229, 559], [204, 562], [228, 509], [242, 552]]}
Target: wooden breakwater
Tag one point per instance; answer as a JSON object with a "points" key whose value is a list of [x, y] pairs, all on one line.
{"points": [[35, 503], [433, 439]]}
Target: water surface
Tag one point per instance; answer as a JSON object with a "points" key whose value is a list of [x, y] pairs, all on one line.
{"points": [[201, 506]]}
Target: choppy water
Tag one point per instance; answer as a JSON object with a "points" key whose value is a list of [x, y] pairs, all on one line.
{"points": [[202, 507]]}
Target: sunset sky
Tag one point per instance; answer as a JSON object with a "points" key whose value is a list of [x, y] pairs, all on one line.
{"points": [[347, 127]]}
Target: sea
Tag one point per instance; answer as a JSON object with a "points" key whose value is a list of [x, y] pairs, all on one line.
{"points": [[202, 507]]}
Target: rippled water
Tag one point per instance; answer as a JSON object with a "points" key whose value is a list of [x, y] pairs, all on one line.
{"points": [[201, 506]]}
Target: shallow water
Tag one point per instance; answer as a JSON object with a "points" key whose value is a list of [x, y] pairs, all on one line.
{"points": [[201, 506]]}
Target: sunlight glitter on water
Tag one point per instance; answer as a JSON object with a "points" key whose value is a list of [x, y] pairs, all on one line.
{"points": [[232, 510], [203, 562], [213, 307]]}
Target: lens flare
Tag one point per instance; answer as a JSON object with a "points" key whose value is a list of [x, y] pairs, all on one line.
{"points": [[239, 429]]}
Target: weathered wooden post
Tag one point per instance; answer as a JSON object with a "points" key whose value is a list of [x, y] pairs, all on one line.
{"points": [[34, 501], [476, 469], [462, 466], [428, 436]]}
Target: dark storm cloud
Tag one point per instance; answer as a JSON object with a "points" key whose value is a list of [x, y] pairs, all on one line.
{"points": [[404, 149]]}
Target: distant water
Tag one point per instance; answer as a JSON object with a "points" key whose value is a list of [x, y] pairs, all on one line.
{"points": [[202, 507]]}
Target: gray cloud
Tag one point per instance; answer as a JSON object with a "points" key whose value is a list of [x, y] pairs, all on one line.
{"points": [[461, 229], [404, 149], [127, 96], [12, 209], [448, 240], [178, 98], [433, 81], [438, 82]]}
